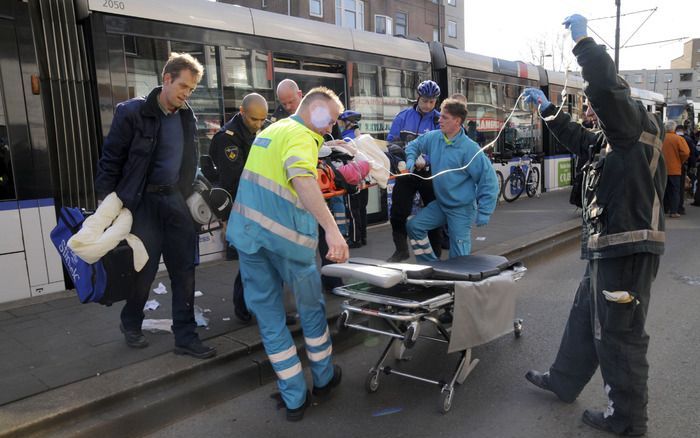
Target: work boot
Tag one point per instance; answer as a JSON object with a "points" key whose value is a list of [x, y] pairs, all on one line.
{"points": [[324, 391], [134, 338], [196, 349], [598, 421], [401, 244], [541, 380], [297, 414]]}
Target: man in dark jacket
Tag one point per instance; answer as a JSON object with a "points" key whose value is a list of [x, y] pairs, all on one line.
{"points": [[149, 159], [624, 182], [229, 150]]}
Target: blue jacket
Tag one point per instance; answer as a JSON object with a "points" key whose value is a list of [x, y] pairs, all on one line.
{"points": [[477, 183], [126, 153], [413, 121]]}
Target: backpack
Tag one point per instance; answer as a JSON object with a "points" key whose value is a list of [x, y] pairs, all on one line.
{"points": [[107, 281]]}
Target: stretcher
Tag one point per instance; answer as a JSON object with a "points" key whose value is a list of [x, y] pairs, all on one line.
{"points": [[406, 300]]}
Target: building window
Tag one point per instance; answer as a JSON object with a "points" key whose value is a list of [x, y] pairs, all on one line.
{"points": [[698, 92], [316, 8], [452, 2], [452, 29], [668, 77], [684, 93], [263, 4], [383, 24], [401, 24], [652, 78], [436, 34], [350, 13], [638, 79], [686, 77]]}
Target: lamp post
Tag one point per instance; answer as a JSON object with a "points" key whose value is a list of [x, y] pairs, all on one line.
{"points": [[617, 38], [655, 73]]}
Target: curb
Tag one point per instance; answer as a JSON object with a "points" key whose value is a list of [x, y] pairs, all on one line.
{"points": [[151, 393]]}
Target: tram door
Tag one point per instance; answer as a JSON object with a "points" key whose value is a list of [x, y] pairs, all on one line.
{"points": [[376, 205], [29, 266]]}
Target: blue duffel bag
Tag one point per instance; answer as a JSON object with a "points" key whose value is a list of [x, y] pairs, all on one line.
{"points": [[107, 281]]}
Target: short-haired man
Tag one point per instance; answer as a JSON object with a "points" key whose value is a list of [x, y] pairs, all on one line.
{"points": [[289, 96], [274, 228], [676, 153], [461, 197], [229, 150], [149, 159]]}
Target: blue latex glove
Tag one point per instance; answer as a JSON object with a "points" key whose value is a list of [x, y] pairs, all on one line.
{"points": [[578, 25], [481, 219], [410, 166], [536, 97]]}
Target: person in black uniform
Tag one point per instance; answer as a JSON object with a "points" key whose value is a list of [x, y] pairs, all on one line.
{"points": [[624, 183], [407, 125], [229, 150]]}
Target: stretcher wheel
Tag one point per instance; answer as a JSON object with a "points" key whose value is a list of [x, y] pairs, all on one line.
{"points": [[342, 320], [446, 400], [518, 327], [411, 336], [372, 381]]}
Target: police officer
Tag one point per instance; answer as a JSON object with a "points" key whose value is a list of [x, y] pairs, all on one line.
{"points": [[411, 122], [462, 197], [149, 159], [289, 96], [624, 181], [273, 225], [229, 151]]}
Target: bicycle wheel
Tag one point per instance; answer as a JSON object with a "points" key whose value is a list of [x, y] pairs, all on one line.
{"points": [[499, 177], [514, 186], [533, 182]]}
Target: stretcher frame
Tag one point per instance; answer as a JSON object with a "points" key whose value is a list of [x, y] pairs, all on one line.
{"points": [[403, 318]]}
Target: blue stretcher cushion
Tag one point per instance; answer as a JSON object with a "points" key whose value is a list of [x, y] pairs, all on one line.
{"points": [[468, 268], [413, 272]]}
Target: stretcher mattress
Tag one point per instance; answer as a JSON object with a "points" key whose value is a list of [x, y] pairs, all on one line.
{"points": [[387, 275]]}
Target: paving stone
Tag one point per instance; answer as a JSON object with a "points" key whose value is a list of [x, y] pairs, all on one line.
{"points": [[19, 386], [4, 315], [31, 309]]}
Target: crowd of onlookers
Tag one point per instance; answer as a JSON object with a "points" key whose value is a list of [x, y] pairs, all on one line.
{"points": [[680, 150]]}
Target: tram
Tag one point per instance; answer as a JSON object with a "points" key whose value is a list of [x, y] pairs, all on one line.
{"points": [[66, 64]]}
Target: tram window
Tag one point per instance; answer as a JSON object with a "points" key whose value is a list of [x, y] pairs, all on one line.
{"points": [[206, 100], [145, 58], [244, 71], [7, 186], [366, 98]]}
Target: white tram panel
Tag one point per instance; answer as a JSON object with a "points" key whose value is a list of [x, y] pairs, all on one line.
{"points": [[200, 13]]}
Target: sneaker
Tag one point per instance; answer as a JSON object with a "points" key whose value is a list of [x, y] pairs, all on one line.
{"points": [[134, 338], [297, 414], [597, 421], [324, 391], [196, 349], [674, 216]]}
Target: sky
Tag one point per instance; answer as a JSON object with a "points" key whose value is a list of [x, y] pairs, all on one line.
{"points": [[507, 29]]}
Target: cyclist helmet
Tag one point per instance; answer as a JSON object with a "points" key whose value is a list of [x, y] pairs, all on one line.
{"points": [[428, 89], [350, 116]]}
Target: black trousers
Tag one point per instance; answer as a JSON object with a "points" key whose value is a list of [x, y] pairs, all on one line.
{"points": [[357, 215], [681, 191], [329, 283], [611, 335], [402, 196], [672, 194], [163, 223]]}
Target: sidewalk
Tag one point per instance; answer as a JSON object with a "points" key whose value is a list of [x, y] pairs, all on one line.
{"points": [[49, 344]]}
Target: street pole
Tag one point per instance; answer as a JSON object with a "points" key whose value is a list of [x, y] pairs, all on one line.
{"points": [[655, 74], [439, 22], [617, 38]]}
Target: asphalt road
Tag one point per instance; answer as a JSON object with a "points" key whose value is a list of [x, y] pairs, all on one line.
{"points": [[496, 401]]}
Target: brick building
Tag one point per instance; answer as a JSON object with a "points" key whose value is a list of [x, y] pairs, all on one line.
{"points": [[415, 19]]}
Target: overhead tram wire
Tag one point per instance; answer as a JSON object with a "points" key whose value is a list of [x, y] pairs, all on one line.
{"points": [[624, 15]]}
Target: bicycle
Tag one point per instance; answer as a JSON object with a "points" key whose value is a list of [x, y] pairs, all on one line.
{"points": [[524, 178]]}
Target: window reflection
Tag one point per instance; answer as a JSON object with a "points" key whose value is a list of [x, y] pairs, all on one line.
{"points": [[489, 104], [7, 186]]}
